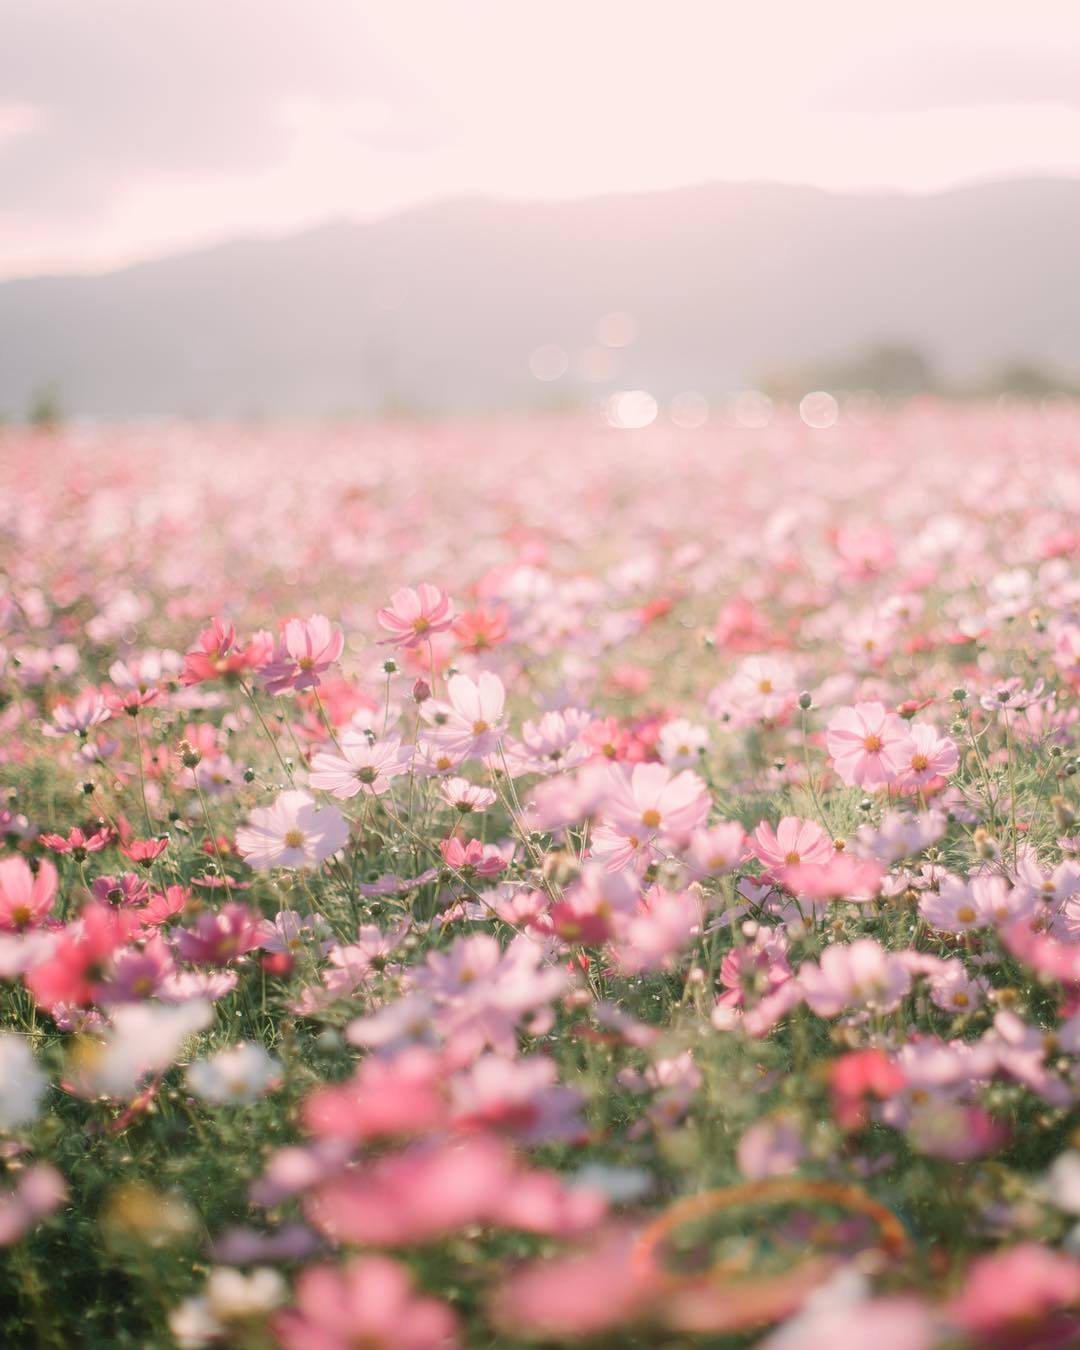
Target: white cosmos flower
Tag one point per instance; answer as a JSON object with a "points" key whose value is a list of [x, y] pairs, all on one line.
{"points": [[22, 1082], [291, 832], [234, 1077]]}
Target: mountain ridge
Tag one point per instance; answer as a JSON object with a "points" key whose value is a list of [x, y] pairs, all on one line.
{"points": [[440, 307]]}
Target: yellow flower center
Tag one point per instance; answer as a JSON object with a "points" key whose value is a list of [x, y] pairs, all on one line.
{"points": [[650, 819], [871, 744], [294, 838]]}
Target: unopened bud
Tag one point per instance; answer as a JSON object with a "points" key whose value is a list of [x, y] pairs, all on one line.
{"points": [[1064, 815], [959, 695], [421, 691], [389, 666], [560, 868], [806, 700]]}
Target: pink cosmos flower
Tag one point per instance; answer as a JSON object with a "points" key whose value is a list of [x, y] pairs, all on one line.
{"points": [[370, 1302], [952, 908], [308, 648], [218, 656], [793, 841], [80, 960], [855, 1077], [648, 801], [472, 859], [90, 709], [841, 878], [716, 850], [663, 928], [429, 1190], [859, 974], [78, 843], [402, 1095], [364, 766], [931, 756], [1015, 1290], [38, 1192], [413, 615], [293, 832], [773, 1147], [218, 937], [519, 1097], [25, 896], [870, 746], [144, 852], [469, 722], [560, 1298]]}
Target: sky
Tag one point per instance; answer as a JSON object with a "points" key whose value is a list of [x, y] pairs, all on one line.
{"points": [[134, 128]]}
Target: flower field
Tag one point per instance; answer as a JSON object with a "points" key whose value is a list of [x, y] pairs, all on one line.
{"points": [[481, 884]]}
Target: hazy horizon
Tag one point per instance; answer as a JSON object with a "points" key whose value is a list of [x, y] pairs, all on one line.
{"points": [[254, 235]]}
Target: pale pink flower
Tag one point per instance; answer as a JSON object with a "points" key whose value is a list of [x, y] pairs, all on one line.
{"points": [[952, 908], [854, 975], [466, 797], [650, 802], [413, 615], [682, 743], [26, 897], [519, 1097], [292, 832], [469, 723], [90, 709], [793, 841], [716, 849], [364, 765], [772, 1147], [870, 746], [38, 1191], [762, 689]]}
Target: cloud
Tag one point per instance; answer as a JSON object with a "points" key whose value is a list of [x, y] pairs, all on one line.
{"points": [[122, 88], [922, 76]]}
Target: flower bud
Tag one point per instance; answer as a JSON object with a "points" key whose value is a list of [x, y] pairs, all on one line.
{"points": [[806, 700], [189, 756]]}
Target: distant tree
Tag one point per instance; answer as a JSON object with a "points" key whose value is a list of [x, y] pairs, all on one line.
{"points": [[891, 370], [45, 410], [1025, 381]]}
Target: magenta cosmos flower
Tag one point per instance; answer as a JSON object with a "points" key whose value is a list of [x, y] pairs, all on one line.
{"points": [[293, 832], [870, 746], [413, 615]]}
